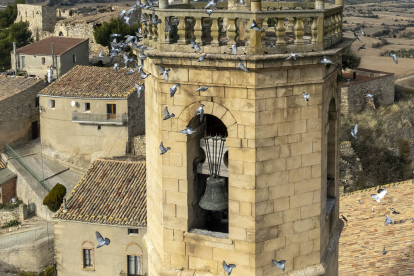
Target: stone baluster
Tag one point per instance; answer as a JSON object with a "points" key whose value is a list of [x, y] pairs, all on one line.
{"points": [[334, 27], [145, 32], [325, 27], [314, 30], [155, 35], [167, 35], [340, 24], [298, 31], [248, 32], [150, 28], [265, 26], [215, 32], [280, 31], [231, 31], [198, 30], [181, 31], [289, 28], [331, 23]]}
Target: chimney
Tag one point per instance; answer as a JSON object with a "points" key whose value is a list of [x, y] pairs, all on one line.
{"points": [[64, 202], [354, 75], [53, 59], [15, 57]]}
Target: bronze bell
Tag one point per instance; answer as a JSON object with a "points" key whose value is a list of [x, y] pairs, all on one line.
{"points": [[215, 196]]}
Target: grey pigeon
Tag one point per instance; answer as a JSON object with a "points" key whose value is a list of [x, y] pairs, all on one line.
{"points": [[129, 38], [379, 196], [242, 67], [140, 88], [370, 96], [131, 71], [362, 246], [168, 27], [164, 72], [354, 131], [349, 81], [101, 241], [100, 54], [394, 212], [413, 177], [271, 44], [362, 32], [211, 3], [167, 114], [360, 202], [362, 47], [356, 37], [139, 68], [203, 88], [242, 2], [142, 56], [115, 35], [188, 131], [163, 150], [228, 268], [373, 210], [387, 220], [127, 18], [173, 89], [200, 59], [209, 12], [143, 75], [201, 111], [292, 55], [233, 48], [116, 65], [194, 45], [394, 57], [383, 251], [280, 264], [306, 96], [255, 27], [325, 61], [155, 20], [122, 14], [345, 219]]}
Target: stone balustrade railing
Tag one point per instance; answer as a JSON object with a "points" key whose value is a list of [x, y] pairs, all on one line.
{"points": [[289, 27]]}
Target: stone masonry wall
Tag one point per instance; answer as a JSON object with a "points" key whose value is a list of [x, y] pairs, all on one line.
{"points": [[139, 145], [41, 18], [136, 118]]}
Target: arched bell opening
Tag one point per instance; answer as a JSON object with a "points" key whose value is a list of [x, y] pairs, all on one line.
{"points": [[331, 174], [207, 153]]}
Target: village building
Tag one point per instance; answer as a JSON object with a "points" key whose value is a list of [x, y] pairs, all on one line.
{"points": [[36, 58], [19, 117], [110, 199], [7, 183], [89, 113]]}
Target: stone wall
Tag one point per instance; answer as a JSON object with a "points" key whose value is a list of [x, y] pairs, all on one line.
{"points": [[42, 19], [139, 145], [74, 30], [136, 117], [66, 13]]}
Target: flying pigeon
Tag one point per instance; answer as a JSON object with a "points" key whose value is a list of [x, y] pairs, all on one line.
{"points": [[209, 12], [164, 72], [140, 88], [394, 212], [228, 268], [131, 71], [139, 68], [155, 21], [242, 67], [115, 35], [122, 14], [163, 150], [413, 178], [188, 131], [306, 96], [200, 59], [379, 196], [143, 75], [100, 54], [203, 88], [255, 27], [211, 3], [349, 81], [356, 37], [116, 65], [373, 210], [360, 202], [280, 264], [325, 61], [387, 220], [127, 18], [362, 246], [271, 44], [194, 45], [101, 241], [345, 219], [362, 32], [394, 56], [233, 48], [362, 47], [129, 38], [168, 27], [173, 89], [292, 55], [242, 2], [201, 111], [354, 131], [370, 96], [142, 56], [383, 251], [167, 114]]}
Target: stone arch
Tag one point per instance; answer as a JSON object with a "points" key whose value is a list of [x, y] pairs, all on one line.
{"points": [[61, 33], [84, 243], [132, 251]]}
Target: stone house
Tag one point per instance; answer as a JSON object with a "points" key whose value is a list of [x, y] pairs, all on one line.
{"points": [[7, 183], [19, 119], [89, 113], [37, 57], [110, 199], [363, 81]]}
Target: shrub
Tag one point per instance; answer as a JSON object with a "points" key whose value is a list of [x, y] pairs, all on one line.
{"points": [[11, 223], [350, 60], [405, 150], [103, 32], [55, 197], [48, 271]]}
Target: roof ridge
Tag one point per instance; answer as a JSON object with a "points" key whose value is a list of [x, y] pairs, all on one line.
{"points": [[376, 187]]}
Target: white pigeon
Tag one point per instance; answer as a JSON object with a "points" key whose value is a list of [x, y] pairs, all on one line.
{"points": [[131, 71], [354, 131], [379, 196], [280, 264], [163, 150], [242, 67], [387, 220], [228, 268], [116, 65], [233, 48], [188, 131], [394, 57], [200, 59], [101, 240], [242, 2], [292, 55], [167, 114], [194, 45], [271, 44], [201, 111], [143, 75], [164, 72], [211, 3], [306, 96], [370, 96], [203, 88], [209, 12], [362, 32], [325, 61], [173, 89], [101, 54], [122, 14], [127, 18], [255, 27], [140, 88]]}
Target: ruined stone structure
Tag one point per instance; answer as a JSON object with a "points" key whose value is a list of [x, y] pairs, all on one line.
{"points": [[353, 94], [281, 149], [42, 19], [349, 163]]}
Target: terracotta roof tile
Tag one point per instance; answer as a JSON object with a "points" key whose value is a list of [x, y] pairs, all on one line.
{"points": [[93, 82], [367, 228], [12, 86], [111, 192], [61, 45], [2, 164]]}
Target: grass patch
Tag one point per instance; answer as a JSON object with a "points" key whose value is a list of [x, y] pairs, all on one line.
{"points": [[11, 223], [48, 271], [10, 206]]}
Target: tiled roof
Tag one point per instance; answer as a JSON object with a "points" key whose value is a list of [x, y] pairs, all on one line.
{"points": [[61, 45], [367, 228], [5, 175], [12, 86], [111, 192], [2, 164], [93, 82]]}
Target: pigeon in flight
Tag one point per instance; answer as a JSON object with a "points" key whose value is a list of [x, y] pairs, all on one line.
{"points": [[242, 67], [115, 35], [349, 81], [188, 131], [164, 72], [173, 89], [167, 114], [242, 2], [194, 45], [271, 44], [306, 96], [209, 12], [211, 3], [155, 20], [255, 27], [356, 37], [201, 111], [354, 131], [168, 26], [292, 55], [163, 150], [394, 57], [373, 210], [127, 18], [139, 68], [101, 241], [228, 268], [116, 65], [383, 251], [121, 15], [360, 202], [142, 56], [362, 32], [362, 47], [131, 71], [140, 88], [143, 75], [100, 54], [233, 48], [394, 212], [203, 88], [387, 220], [344, 218], [200, 59], [362, 246], [370, 96], [379, 196], [280, 264], [325, 61]]}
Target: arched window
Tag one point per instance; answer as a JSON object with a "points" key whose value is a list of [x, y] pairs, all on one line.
{"points": [[88, 257], [134, 261]]}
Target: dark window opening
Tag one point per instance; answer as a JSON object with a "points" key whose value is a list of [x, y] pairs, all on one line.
{"points": [[43, 61], [99, 127], [133, 231], [60, 33], [74, 58], [111, 110], [87, 258], [134, 265], [37, 103]]}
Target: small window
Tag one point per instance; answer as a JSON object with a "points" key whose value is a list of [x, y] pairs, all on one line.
{"points": [[74, 58], [37, 103], [86, 107], [87, 258], [134, 265], [133, 231], [51, 103], [43, 61], [23, 63]]}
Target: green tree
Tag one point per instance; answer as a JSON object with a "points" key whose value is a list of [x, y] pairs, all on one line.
{"points": [[115, 26], [9, 15], [55, 197], [350, 60]]}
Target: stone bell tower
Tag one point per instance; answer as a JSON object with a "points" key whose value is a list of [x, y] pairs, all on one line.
{"points": [[280, 160]]}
